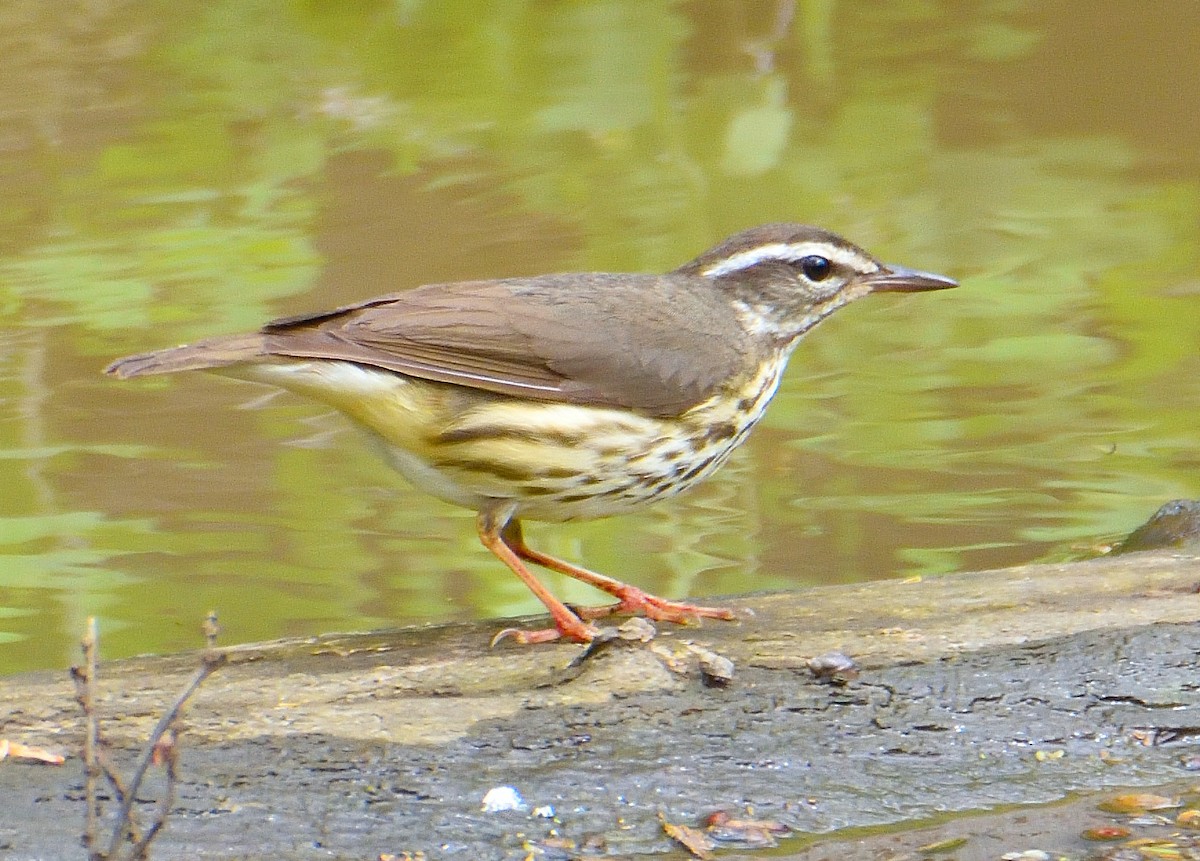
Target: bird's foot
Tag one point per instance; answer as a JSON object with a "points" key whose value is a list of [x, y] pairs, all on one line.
{"points": [[635, 601], [573, 632]]}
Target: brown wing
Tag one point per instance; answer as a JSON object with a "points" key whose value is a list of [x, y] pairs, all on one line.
{"points": [[658, 344]]}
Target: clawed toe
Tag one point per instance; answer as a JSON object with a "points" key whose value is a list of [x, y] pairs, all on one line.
{"points": [[636, 602], [580, 634]]}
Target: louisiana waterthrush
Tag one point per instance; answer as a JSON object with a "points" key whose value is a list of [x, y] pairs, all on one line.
{"points": [[563, 396]]}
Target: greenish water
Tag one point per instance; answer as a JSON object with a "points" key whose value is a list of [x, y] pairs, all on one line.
{"points": [[174, 170]]}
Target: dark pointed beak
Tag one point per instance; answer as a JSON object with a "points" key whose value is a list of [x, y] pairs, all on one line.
{"points": [[901, 279]]}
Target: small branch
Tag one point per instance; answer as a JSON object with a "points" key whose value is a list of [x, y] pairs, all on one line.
{"points": [[110, 774], [117, 784], [210, 629], [85, 692], [210, 663], [161, 749], [165, 753]]}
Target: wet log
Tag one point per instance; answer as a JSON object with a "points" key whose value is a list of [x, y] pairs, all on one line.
{"points": [[972, 690]]}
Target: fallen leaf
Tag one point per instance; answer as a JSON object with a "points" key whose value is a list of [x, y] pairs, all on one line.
{"points": [[747, 833], [1137, 802], [947, 845], [1188, 819], [693, 839], [22, 751], [1106, 833]]}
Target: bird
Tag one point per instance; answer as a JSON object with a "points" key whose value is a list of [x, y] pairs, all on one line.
{"points": [[563, 396]]}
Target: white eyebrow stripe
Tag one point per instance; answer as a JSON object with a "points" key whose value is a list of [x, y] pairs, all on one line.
{"points": [[786, 252]]}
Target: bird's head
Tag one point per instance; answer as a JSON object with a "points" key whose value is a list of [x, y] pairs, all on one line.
{"points": [[785, 278]]}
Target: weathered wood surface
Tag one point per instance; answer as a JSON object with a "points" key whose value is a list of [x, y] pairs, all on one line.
{"points": [[356, 745]]}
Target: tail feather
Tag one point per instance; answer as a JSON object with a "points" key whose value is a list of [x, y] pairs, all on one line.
{"points": [[202, 355]]}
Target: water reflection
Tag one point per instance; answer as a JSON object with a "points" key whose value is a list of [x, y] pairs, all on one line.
{"points": [[168, 172]]}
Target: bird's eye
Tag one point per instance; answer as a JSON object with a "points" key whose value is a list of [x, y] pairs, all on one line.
{"points": [[815, 267]]}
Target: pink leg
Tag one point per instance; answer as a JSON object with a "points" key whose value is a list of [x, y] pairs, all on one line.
{"points": [[630, 598], [493, 532]]}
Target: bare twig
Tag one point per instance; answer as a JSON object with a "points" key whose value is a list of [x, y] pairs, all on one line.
{"points": [[85, 693], [161, 749], [211, 630], [110, 774], [210, 663], [166, 753]]}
